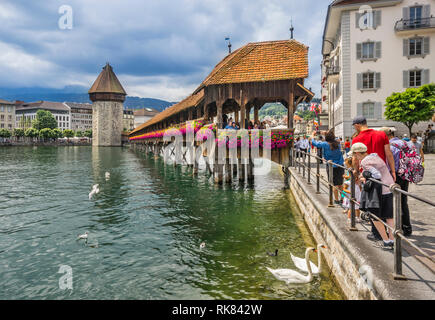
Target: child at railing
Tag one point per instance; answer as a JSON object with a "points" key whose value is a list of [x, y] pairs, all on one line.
{"points": [[347, 191]]}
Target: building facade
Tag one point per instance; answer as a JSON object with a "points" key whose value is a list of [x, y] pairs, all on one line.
{"points": [[26, 113], [81, 116], [7, 115], [371, 49], [128, 120], [143, 115]]}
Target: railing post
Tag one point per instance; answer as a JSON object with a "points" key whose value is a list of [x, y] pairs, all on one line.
{"points": [[397, 207], [299, 161], [304, 155], [330, 180], [309, 168], [352, 201], [318, 176]]}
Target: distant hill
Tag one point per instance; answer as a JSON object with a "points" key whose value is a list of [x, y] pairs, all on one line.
{"points": [[75, 94]]}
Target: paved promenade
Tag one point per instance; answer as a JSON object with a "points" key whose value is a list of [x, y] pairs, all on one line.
{"points": [[419, 271], [423, 215]]}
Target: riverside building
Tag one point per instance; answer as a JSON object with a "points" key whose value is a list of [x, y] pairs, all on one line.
{"points": [[26, 113], [370, 50], [7, 115]]}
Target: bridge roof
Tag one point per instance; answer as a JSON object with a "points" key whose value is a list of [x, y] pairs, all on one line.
{"points": [[188, 102]]}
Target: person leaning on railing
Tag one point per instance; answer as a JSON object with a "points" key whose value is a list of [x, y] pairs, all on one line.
{"points": [[376, 198], [331, 151]]}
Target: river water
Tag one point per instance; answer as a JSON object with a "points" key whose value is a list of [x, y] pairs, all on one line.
{"points": [[145, 227]]}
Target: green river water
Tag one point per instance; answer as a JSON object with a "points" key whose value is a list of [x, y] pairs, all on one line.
{"points": [[148, 221]]}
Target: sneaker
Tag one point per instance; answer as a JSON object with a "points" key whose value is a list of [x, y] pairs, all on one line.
{"points": [[372, 237], [385, 246]]}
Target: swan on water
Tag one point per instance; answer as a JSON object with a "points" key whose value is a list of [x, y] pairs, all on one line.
{"points": [[107, 176], [292, 276], [95, 190], [83, 236], [202, 245], [301, 265]]}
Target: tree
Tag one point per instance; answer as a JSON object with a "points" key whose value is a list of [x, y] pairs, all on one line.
{"points": [[31, 133], [45, 133], [79, 133], [88, 133], [5, 133], [411, 106], [68, 133], [56, 133], [18, 133], [44, 119]]}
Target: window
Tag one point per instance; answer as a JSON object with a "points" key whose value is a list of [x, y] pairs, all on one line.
{"points": [[2, 108], [2, 117], [368, 80], [2, 125], [9, 126], [368, 50], [415, 14], [415, 46], [415, 78], [10, 118], [9, 109]]}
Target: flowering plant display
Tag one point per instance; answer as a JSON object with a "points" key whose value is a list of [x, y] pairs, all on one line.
{"points": [[245, 138]]}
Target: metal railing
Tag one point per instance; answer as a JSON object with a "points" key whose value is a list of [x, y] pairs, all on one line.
{"points": [[300, 163], [413, 24]]}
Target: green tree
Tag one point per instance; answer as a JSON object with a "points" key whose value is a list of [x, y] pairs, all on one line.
{"points": [[31, 133], [44, 119], [68, 133], [88, 133], [45, 133], [79, 134], [5, 133], [56, 133], [18, 133], [411, 106]]}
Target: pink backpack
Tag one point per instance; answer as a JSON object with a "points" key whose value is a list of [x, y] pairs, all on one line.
{"points": [[410, 164]]}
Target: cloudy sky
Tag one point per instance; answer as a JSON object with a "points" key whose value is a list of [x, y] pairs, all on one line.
{"points": [[158, 48]]}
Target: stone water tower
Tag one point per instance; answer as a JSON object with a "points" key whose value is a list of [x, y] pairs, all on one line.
{"points": [[107, 95]]}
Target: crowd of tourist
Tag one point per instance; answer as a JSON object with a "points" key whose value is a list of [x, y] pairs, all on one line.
{"points": [[231, 124], [370, 156]]}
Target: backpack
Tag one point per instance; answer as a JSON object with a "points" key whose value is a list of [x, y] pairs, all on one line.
{"points": [[410, 164]]}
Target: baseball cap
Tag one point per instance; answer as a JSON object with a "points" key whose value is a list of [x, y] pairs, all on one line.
{"points": [[358, 147], [388, 131], [359, 120]]}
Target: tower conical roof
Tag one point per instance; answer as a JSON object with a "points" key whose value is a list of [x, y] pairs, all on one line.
{"points": [[107, 82]]}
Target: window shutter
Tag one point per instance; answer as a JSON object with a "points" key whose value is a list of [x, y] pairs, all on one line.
{"points": [[426, 11], [359, 109], [357, 17], [376, 18], [406, 79], [359, 51], [405, 13], [378, 46], [359, 81], [426, 45], [377, 80], [425, 76], [405, 47]]}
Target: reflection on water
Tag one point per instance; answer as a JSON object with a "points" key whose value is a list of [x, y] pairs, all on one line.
{"points": [[148, 220]]}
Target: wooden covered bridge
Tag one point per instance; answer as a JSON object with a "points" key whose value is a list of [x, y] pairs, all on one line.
{"points": [[255, 74]]}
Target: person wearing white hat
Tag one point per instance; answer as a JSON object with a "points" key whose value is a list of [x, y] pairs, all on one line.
{"points": [[373, 166]]}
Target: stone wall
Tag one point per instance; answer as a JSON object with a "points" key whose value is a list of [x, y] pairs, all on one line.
{"points": [[107, 123], [343, 258]]}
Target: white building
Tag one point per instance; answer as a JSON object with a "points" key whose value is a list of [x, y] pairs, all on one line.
{"points": [[7, 115], [26, 113], [81, 116], [143, 115], [371, 49]]}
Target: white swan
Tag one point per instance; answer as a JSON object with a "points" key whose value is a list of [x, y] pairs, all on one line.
{"points": [[107, 176], [301, 265], [292, 276], [95, 190], [202, 245], [83, 236]]}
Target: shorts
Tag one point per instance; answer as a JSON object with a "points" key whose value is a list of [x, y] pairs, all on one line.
{"points": [[337, 175], [386, 210]]}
